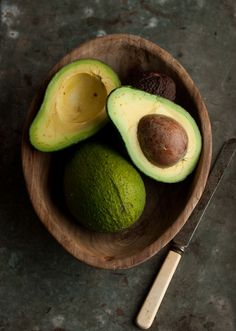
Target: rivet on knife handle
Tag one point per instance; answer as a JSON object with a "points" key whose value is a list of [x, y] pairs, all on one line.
{"points": [[154, 298]]}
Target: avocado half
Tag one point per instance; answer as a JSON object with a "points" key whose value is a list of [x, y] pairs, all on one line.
{"points": [[127, 106], [74, 105]]}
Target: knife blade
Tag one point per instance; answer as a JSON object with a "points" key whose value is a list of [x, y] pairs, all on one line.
{"points": [[183, 238], [181, 241]]}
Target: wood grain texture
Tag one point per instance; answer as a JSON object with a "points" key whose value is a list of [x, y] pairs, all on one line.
{"points": [[168, 206]]}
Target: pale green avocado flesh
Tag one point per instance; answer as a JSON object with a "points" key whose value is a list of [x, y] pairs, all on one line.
{"points": [[74, 105], [126, 106], [103, 191]]}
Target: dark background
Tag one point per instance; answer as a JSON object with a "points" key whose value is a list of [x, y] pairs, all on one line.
{"points": [[42, 287]]}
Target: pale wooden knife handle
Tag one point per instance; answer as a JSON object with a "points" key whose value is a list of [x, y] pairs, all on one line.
{"points": [[154, 298]]}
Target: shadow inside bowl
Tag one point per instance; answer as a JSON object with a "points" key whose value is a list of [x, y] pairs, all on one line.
{"points": [[168, 206], [164, 203]]}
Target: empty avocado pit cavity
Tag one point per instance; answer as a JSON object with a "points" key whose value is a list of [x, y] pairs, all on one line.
{"points": [[81, 98], [74, 105], [162, 139]]}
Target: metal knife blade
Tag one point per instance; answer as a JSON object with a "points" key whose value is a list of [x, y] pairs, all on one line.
{"points": [[183, 238]]}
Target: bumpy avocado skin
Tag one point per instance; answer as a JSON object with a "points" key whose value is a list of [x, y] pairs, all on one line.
{"points": [[38, 129], [127, 105], [102, 190]]}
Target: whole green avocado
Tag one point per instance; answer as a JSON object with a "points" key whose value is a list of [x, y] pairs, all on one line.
{"points": [[103, 191]]}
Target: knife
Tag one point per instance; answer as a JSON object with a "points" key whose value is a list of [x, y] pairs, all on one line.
{"points": [[181, 241]]}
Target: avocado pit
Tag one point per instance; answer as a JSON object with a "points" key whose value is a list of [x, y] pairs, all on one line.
{"points": [[154, 83], [162, 139]]}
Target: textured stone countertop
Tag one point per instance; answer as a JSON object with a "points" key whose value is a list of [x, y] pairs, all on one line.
{"points": [[42, 287]]}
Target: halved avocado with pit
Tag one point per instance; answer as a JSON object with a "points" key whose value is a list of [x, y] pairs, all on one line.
{"points": [[162, 138], [74, 105]]}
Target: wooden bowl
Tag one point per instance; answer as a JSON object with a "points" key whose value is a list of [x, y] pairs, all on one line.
{"points": [[168, 205]]}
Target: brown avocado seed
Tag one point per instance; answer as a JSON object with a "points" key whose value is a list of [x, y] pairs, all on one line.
{"points": [[154, 83], [162, 140]]}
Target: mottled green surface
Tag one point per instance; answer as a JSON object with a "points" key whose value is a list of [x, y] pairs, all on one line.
{"points": [[43, 288], [103, 191]]}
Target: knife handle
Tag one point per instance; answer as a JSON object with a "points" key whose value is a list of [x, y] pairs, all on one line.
{"points": [[154, 298]]}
